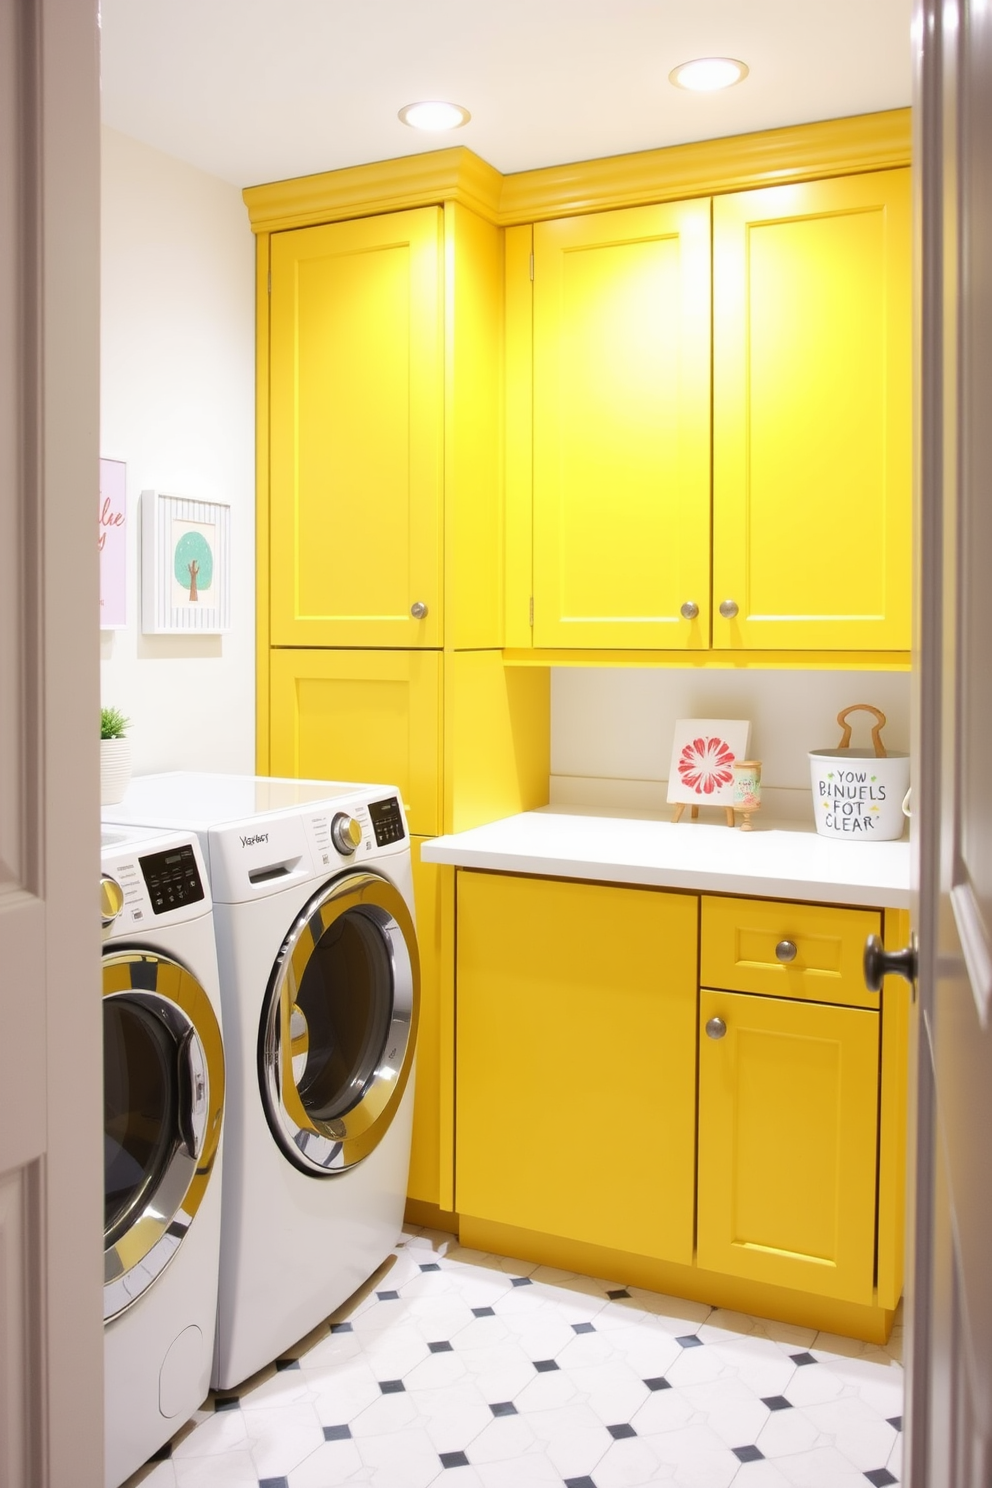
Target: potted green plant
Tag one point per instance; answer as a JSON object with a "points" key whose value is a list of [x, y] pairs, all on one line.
{"points": [[115, 756]]}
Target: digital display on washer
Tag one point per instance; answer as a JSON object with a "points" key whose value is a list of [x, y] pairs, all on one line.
{"points": [[387, 821], [172, 878]]}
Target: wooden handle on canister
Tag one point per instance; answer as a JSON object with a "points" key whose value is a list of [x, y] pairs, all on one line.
{"points": [[876, 733]]}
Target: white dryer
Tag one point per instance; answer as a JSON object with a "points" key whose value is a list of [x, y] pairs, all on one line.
{"points": [[163, 1086], [313, 909]]}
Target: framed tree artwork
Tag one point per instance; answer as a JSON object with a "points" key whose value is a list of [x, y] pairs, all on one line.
{"points": [[185, 565]]}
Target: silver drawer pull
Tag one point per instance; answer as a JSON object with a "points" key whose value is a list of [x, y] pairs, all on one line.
{"points": [[786, 950], [689, 610], [418, 610], [716, 1028]]}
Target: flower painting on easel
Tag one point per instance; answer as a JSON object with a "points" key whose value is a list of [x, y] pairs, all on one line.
{"points": [[703, 755]]}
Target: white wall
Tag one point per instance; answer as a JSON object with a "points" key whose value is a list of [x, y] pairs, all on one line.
{"points": [[177, 385], [611, 728]]}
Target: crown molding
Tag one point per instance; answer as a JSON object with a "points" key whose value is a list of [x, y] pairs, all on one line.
{"points": [[801, 152]]}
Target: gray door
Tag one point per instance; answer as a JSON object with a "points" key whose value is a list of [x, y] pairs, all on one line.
{"points": [[949, 1409]]}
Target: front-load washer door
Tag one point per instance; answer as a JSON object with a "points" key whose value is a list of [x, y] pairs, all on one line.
{"points": [[339, 1024], [163, 1102]]}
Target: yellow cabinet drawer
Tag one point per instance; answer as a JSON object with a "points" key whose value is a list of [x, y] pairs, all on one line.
{"points": [[361, 715], [788, 1113], [746, 948]]}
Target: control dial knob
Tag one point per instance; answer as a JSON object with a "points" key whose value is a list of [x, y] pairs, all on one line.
{"points": [[346, 834], [111, 899]]}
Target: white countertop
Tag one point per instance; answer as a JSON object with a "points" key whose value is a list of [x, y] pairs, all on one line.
{"points": [[783, 861]]}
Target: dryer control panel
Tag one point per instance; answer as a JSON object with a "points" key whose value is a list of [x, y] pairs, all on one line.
{"points": [[173, 878], [387, 821]]}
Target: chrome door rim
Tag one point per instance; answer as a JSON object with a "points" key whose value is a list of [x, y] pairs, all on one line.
{"points": [[317, 1146], [171, 993]]}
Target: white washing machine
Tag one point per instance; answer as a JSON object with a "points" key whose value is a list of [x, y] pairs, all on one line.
{"points": [[163, 1090], [313, 909]]}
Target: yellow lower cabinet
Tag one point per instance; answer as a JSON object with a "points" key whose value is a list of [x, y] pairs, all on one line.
{"points": [[788, 1116], [576, 1014], [432, 1149], [361, 715]]}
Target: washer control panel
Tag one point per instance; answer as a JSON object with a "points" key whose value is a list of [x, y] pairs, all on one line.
{"points": [[387, 821], [172, 878]]}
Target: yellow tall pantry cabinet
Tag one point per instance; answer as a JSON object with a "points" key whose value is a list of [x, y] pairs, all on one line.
{"points": [[380, 536]]}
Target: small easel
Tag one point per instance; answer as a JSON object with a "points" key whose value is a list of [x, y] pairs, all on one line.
{"points": [[728, 812]]}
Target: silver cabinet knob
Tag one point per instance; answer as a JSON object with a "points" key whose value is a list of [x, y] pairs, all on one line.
{"points": [[689, 610], [728, 608], [786, 950], [346, 834], [111, 899], [716, 1028], [418, 610]]}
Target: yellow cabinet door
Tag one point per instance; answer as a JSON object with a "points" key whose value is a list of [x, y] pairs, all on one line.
{"points": [[356, 432], [622, 428], [575, 1105], [432, 1148], [788, 1120], [811, 415], [361, 715]]}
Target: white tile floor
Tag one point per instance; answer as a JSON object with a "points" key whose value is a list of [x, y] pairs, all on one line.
{"points": [[474, 1371]]}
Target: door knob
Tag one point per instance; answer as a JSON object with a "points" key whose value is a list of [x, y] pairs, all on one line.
{"points": [[728, 608], [880, 963], [786, 950], [716, 1028], [418, 610], [689, 610]]}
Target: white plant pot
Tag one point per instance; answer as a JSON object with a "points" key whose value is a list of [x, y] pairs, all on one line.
{"points": [[115, 770]]}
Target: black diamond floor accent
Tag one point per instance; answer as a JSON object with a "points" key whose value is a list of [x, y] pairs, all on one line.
{"points": [[282, 1364], [227, 1402], [504, 1408], [544, 1366], [430, 1266], [521, 1281], [392, 1387], [801, 1359], [337, 1433], [483, 1312], [616, 1295], [441, 1347], [619, 1432], [748, 1454], [454, 1459], [342, 1328], [689, 1340], [776, 1402], [658, 1383], [895, 1421], [583, 1328], [388, 1296], [579, 1483], [273, 1483], [880, 1477]]}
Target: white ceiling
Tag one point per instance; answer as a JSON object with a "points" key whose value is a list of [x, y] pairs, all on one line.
{"points": [[260, 90]]}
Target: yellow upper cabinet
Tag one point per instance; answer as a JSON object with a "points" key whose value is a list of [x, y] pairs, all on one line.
{"points": [[622, 428], [811, 410], [356, 432]]}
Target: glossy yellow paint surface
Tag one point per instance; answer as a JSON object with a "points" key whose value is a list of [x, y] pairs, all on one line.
{"points": [[788, 1106], [497, 739], [361, 715], [622, 428], [738, 949], [811, 410], [356, 392], [576, 1066], [432, 1147]]}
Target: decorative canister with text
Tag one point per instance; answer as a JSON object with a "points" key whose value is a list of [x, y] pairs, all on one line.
{"points": [[747, 789], [858, 793]]}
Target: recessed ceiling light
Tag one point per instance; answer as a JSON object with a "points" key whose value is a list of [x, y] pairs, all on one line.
{"points": [[708, 74], [434, 115]]}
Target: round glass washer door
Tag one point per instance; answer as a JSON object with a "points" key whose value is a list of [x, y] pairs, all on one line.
{"points": [[339, 1024], [163, 1103]]}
